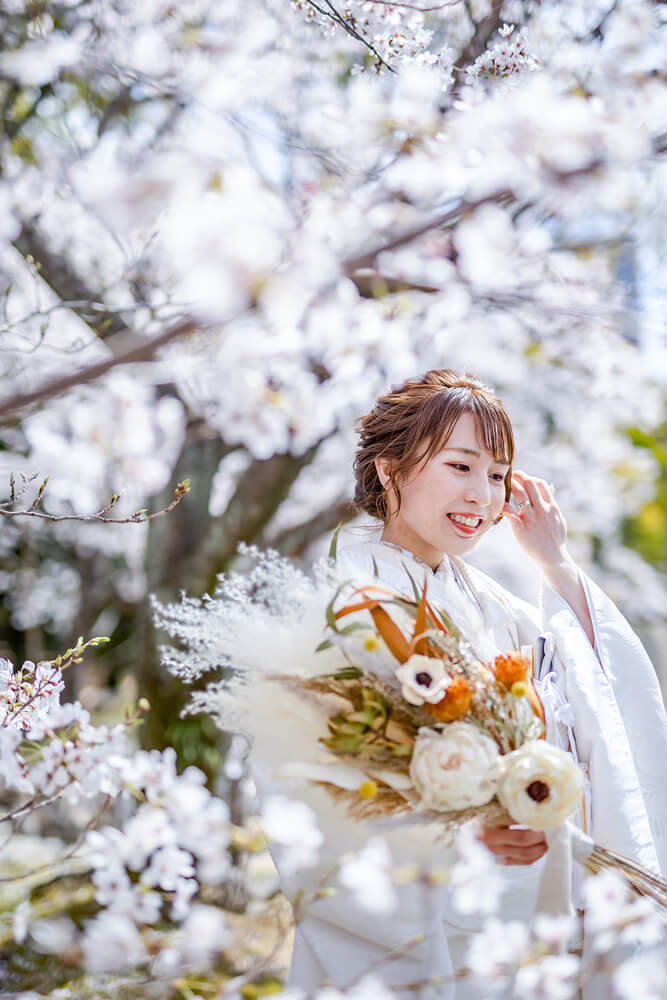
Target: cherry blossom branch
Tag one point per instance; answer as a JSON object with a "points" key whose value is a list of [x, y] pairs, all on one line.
{"points": [[139, 516], [483, 30], [367, 258], [35, 803], [350, 29], [141, 352], [412, 6]]}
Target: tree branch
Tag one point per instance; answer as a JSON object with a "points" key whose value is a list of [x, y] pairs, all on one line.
{"points": [[373, 285], [484, 30], [351, 30], [139, 516], [142, 352], [367, 259]]}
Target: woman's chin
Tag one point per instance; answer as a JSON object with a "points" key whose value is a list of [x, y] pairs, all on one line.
{"points": [[458, 544]]}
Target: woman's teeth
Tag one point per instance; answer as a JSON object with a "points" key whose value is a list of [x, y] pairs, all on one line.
{"points": [[468, 522]]}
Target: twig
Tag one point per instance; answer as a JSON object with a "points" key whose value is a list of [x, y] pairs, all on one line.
{"points": [[35, 803], [345, 24], [413, 6], [139, 516]]}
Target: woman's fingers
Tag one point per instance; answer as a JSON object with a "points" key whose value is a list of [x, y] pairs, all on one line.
{"points": [[545, 491], [514, 847], [519, 494], [507, 836], [527, 856], [529, 487]]}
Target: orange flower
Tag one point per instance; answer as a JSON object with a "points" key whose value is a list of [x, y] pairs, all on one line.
{"points": [[455, 704], [510, 669]]}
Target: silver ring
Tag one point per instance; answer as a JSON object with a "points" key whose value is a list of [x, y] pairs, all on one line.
{"points": [[524, 503]]}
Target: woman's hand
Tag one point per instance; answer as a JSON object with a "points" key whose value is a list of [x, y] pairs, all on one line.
{"points": [[539, 526], [540, 529], [513, 847]]}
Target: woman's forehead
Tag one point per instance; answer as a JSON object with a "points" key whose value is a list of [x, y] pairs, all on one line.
{"points": [[467, 436]]}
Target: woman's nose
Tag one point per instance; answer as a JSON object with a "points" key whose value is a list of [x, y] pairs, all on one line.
{"points": [[478, 490]]}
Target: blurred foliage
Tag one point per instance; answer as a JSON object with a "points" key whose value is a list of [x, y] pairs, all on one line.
{"points": [[646, 531]]}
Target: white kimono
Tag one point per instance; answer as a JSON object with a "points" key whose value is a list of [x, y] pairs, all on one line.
{"points": [[606, 702]]}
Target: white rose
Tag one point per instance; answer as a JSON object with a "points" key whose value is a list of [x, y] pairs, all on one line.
{"points": [[423, 678], [453, 769], [539, 785]]}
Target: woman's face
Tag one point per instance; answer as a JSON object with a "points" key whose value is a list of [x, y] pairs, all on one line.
{"points": [[448, 503]]}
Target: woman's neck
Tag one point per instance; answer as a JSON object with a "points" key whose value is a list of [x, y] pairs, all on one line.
{"points": [[432, 560]]}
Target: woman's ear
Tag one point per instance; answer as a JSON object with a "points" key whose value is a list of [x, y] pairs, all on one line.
{"points": [[383, 469]]}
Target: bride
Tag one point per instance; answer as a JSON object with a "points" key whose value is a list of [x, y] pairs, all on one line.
{"points": [[434, 467]]}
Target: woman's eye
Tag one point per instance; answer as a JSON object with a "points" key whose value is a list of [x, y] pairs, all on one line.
{"points": [[459, 466], [498, 476]]}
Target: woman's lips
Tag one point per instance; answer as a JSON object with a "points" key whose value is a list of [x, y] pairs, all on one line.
{"points": [[466, 529]]}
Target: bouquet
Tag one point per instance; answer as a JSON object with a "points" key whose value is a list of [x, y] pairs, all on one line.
{"points": [[424, 726], [392, 714]]}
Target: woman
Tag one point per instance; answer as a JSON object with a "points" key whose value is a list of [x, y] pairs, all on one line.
{"points": [[434, 467]]}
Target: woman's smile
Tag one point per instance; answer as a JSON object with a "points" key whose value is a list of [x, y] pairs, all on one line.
{"points": [[467, 523]]}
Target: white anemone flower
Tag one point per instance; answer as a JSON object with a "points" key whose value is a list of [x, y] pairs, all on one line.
{"points": [[539, 785], [423, 679]]}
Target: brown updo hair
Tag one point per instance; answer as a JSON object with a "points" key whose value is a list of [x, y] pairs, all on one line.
{"points": [[412, 423]]}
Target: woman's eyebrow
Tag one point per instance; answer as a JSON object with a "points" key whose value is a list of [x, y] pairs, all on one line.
{"points": [[471, 451]]}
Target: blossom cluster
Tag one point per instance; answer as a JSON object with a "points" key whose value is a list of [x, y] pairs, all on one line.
{"points": [[149, 868], [505, 58], [49, 749], [154, 864]]}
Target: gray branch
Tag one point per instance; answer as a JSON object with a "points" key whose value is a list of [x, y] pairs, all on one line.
{"points": [[11, 407]]}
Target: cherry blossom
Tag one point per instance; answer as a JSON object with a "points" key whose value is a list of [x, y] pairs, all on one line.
{"points": [[495, 951], [291, 828], [475, 882], [367, 875]]}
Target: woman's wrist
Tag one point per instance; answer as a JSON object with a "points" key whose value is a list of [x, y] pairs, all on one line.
{"points": [[562, 573]]}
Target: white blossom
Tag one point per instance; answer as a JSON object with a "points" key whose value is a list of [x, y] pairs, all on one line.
{"points": [[475, 881], [368, 876], [291, 827], [648, 969], [494, 952], [554, 977], [112, 943]]}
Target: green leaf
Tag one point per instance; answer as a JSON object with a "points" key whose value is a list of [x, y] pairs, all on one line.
{"points": [[346, 728], [333, 548], [343, 744], [353, 627], [330, 613], [325, 644], [366, 715], [415, 588], [344, 674]]}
